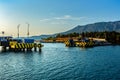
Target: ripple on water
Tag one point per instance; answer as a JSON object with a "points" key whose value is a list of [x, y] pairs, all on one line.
{"points": [[62, 63]]}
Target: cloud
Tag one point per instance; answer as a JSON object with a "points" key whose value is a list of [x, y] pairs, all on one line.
{"points": [[68, 17], [60, 22], [65, 19], [42, 20]]}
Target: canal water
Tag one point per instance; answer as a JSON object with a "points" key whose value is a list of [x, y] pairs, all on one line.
{"points": [[57, 62]]}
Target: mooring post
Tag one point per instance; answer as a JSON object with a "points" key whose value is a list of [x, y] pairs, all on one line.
{"points": [[39, 49], [39, 46], [10, 49], [23, 49], [4, 48], [35, 47]]}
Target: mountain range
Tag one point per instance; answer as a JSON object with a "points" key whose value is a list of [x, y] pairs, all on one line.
{"points": [[99, 26]]}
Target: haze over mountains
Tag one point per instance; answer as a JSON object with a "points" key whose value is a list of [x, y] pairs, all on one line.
{"points": [[99, 26]]}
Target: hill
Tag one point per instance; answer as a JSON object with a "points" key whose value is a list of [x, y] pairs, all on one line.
{"points": [[99, 26]]}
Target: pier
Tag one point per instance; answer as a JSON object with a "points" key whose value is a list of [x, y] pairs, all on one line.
{"points": [[91, 42], [18, 45]]}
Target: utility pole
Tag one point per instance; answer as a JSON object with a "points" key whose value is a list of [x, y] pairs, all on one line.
{"points": [[18, 29], [28, 29]]}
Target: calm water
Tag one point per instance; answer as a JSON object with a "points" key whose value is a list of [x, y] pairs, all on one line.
{"points": [[61, 63]]}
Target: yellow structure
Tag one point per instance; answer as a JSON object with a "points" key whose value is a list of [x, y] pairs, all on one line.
{"points": [[80, 44], [16, 45], [85, 44]]}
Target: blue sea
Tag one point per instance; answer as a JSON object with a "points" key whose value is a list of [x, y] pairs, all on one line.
{"points": [[57, 62]]}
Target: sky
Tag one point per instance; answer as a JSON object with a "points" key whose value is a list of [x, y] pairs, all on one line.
{"points": [[54, 16]]}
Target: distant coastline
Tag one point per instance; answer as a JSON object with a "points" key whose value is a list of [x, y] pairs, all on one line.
{"points": [[111, 37], [93, 27]]}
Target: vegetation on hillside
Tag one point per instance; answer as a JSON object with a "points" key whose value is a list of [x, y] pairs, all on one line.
{"points": [[112, 37], [68, 35]]}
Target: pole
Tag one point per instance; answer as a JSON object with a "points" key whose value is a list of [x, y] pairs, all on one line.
{"points": [[18, 29], [28, 29]]}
